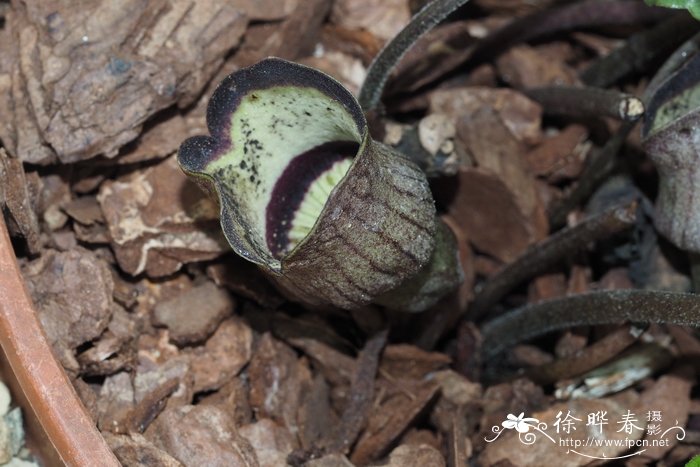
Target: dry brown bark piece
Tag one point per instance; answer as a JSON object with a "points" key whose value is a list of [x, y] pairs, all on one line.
{"points": [[591, 357], [561, 156], [223, 356], [410, 362], [194, 315], [383, 18], [490, 144], [73, 294], [361, 395], [417, 436], [233, 397], [545, 452], [150, 406], [616, 279], [570, 344], [158, 219], [156, 141], [356, 43], [134, 450], [466, 260], [85, 210], [291, 39], [348, 70], [201, 435], [457, 394], [517, 396], [436, 54], [336, 367], [114, 402], [267, 10], [271, 442], [245, 279], [151, 292], [278, 381], [390, 419], [330, 460], [669, 398], [152, 376], [415, 455], [520, 115], [526, 67], [316, 417], [54, 193], [546, 286], [8, 58], [88, 396], [114, 350], [16, 203], [490, 212], [88, 76], [89, 225]]}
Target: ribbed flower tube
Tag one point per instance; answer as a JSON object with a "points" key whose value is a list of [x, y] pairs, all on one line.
{"points": [[334, 217]]}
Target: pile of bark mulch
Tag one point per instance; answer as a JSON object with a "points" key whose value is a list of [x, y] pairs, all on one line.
{"points": [[184, 354]]}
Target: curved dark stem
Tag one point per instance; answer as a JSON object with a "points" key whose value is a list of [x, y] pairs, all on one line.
{"points": [[587, 13], [586, 310], [538, 258], [380, 69], [640, 51]]}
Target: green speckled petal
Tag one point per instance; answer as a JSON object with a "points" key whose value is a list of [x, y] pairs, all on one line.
{"points": [[334, 217]]}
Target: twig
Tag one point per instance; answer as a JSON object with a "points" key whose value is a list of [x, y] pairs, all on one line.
{"points": [[576, 101], [591, 357], [586, 310], [361, 396], [640, 51], [457, 449], [538, 258], [596, 170], [576, 15], [381, 67]]}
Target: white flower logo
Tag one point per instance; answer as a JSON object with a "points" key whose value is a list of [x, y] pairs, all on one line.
{"points": [[520, 423]]}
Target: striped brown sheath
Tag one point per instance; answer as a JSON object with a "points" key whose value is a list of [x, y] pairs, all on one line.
{"points": [[277, 129]]}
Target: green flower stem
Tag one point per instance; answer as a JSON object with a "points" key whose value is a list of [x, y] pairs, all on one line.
{"points": [[589, 309]]}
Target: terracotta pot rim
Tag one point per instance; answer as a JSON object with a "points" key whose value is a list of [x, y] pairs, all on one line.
{"points": [[44, 383]]}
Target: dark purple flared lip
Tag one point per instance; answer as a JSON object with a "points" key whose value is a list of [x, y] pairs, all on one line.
{"points": [[196, 153], [292, 186]]}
